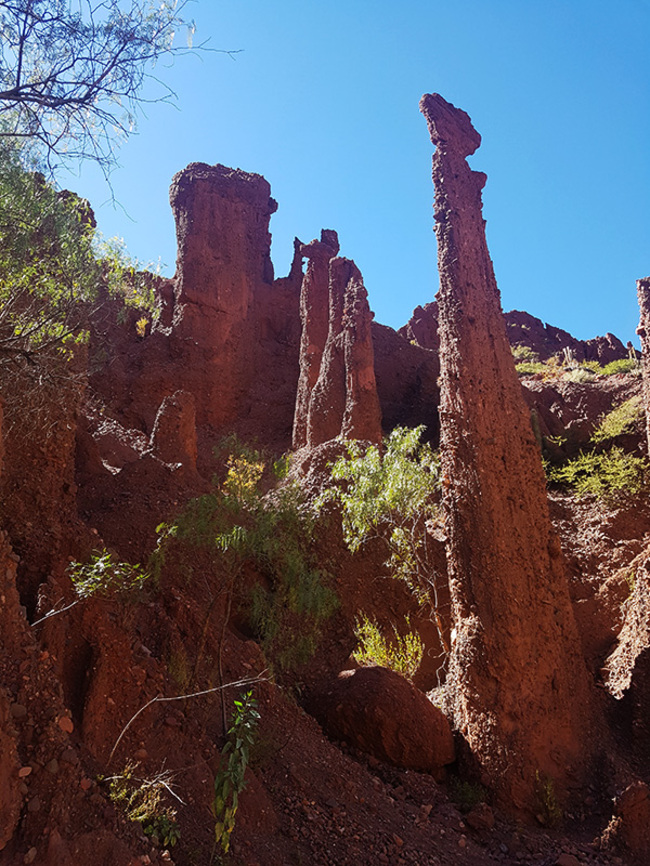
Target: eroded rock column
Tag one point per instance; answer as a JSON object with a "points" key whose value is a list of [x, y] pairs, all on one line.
{"points": [[517, 685], [343, 400], [643, 294], [314, 317], [222, 226]]}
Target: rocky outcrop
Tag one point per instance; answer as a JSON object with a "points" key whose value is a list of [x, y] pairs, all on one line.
{"points": [[382, 714], [643, 294], [226, 332], [627, 670], [314, 317], [173, 438], [407, 382], [222, 227], [523, 330], [517, 686], [337, 392], [629, 830]]}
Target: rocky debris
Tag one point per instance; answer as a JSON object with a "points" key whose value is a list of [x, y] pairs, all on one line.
{"points": [[382, 714], [343, 399], [643, 294], [11, 797], [517, 684], [314, 317], [630, 828], [522, 329], [173, 437]]}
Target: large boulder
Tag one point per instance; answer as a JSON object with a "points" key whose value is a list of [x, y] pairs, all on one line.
{"points": [[382, 714]]}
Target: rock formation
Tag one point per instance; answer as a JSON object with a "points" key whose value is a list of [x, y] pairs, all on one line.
{"points": [[173, 438], [517, 686], [382, 714], [222, 226], [522, 330], [643, 294], [337, 391], [314, 316]]}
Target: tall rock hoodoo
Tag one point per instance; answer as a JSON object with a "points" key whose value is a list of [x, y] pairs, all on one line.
{"points": [[643, 294], [314, 316], [219, 273], [517, 685], [337, 391]]}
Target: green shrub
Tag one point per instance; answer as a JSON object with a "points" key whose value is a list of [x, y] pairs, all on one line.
{"points": [[217, 534], [391, 494], [143, 801], [623, 365], [523, 353], [610, 475], [402, 653], [619, 421], [105, 576]]}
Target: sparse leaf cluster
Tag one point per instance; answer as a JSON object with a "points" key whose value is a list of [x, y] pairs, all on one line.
{"points": [[230, 779]]}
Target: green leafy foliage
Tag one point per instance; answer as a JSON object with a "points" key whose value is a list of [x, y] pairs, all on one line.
{"points": [[610, 475], [235, 756], [401, 653], [105, 576], [143, 801], [623, 365], [71, 73], [51, 267], [221, 532], [619, 421], [391, 494]]}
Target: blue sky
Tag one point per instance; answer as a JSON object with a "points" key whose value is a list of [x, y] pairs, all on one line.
{"points": [[323, 101]]}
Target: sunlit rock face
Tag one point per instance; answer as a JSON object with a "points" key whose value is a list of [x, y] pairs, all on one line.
{"points": [[517, 685]]}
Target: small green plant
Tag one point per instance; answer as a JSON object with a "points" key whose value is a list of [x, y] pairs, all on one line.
{"points": [[402, 653], [105, 576], [522, 353], [550, 812], [230, 779], [466, 794], [610, 475], [620, 421], [142, 800]]}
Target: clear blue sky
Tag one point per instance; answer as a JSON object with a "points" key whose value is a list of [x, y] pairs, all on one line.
{"points": [[323, 101]]}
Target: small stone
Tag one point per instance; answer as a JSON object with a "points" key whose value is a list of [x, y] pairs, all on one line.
{"points": [[24, 771], [66, 724], [18, 711], [567, 860], [462, 842], [52, 766], [30, 856], [141, 755], [34, 805], [69, 756], [23, 789], [85, 784]]}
